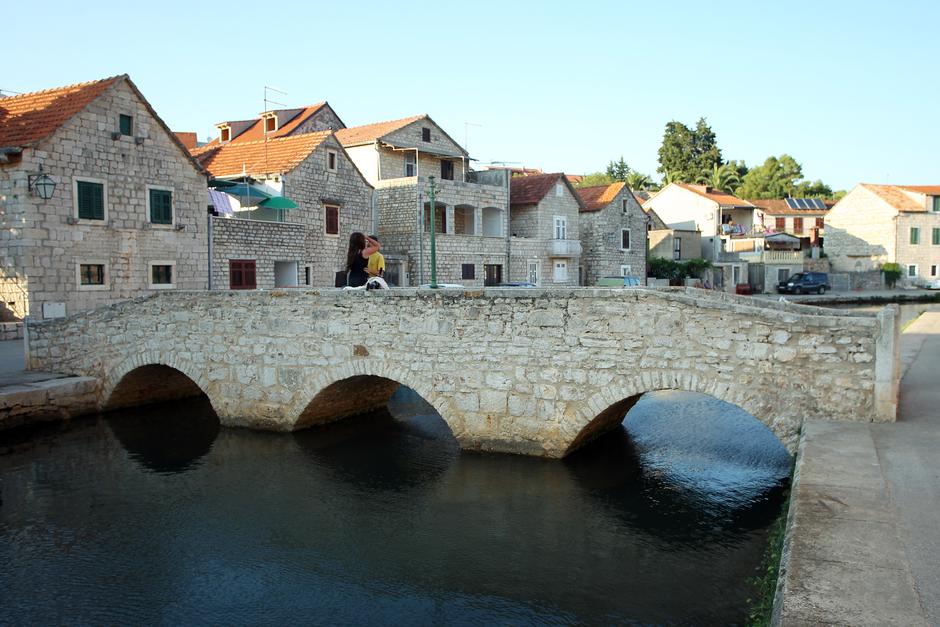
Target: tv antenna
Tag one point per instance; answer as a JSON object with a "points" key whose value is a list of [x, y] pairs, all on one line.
{"points": [[267, 103]]}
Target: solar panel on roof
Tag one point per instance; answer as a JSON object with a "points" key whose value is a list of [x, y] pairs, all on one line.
{"points": [[791, 203], [818, 203]]}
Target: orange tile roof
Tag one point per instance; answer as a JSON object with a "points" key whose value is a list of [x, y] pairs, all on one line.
{"points": [[370, 132], [779, 207], [716, 195], [597, 197], [278, 155], [893, 195], [188, 139], [28, 118], [930, 190]]}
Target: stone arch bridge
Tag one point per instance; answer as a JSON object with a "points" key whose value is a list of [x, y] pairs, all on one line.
{"points": [[529, 371]]}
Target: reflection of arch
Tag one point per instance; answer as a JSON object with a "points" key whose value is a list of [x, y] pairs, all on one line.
{"points": [[606, 409], [362, 386], [151, 378]]}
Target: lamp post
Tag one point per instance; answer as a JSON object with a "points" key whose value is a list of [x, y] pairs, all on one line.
{"points": [[431, 191]]}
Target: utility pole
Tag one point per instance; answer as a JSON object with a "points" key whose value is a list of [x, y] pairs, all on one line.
{"points": [[431, 191]]}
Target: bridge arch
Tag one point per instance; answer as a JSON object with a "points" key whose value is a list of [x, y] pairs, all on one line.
{"points": [[152, 378], [360, 386], [606, 408]]}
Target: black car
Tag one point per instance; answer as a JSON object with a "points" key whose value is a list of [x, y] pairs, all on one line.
{"points": [[805, 283]]}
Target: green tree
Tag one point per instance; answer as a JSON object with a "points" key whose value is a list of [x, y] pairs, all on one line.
{"points": [[618, 170], [776, 178], [686, 153], [595, 178], [813, 189], [638, 180], [724, 177]]}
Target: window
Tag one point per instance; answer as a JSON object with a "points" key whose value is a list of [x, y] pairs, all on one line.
{"points": [[425, 134], [915, 235], [410, 164], [935, 237], [819, 223], [782, 274], [162, 275], [91, 275], [780, 224], [736, 274], [797, 225], [226, 135], [308, 274], [241, 274], [468, 271], [270, 124], [561, 272], [625, 270], [624, 239], [936, 204], [447, 170], [559, 189], [126, 124], [912, 271], [933, 270], [90, 201], [676, 248], [561, 227], [624, 206], [332, 219], [160, 202], [331, 160]]}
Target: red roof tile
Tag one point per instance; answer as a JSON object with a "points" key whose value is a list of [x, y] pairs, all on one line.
{"points": [[930, 190], [187, 139], [277, 155], [597, 197], [368, 133], [893, 195], [28, 118], [779, 207], [720, 197], [529, 190]]}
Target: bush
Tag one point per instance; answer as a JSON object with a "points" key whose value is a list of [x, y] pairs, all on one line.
{"points": [[892, 272], [676, 271]]}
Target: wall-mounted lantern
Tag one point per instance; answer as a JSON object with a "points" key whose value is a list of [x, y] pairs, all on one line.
{"points": [[42, 184]]}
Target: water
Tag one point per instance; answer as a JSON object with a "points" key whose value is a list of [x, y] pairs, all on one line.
{"points": [[909, 312], [157, 516]]}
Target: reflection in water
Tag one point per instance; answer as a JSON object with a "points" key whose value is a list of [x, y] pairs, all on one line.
{"points": [[169, 437], [383, 520]]}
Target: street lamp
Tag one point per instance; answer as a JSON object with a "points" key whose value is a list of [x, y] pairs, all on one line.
{"points": [[42, 184]]}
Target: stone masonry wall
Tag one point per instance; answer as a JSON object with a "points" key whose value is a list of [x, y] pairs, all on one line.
{"points": [[526, 371], [264, 242], [601, 239], [43, 243]]}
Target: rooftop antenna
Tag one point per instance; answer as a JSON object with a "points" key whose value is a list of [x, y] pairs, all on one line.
{"points": [[267, 102]]}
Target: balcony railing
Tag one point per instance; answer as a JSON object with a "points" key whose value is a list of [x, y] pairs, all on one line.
{"points": [[564, 248], [773, 256]]}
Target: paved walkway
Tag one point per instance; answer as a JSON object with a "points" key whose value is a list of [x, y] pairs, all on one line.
{"points": [[12, 363], [865, 516]]}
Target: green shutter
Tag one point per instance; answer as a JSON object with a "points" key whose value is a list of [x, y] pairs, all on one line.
{"points": [[915, 235], [936, 237], [90, 200], [161, 206], [936, 203], [126, 124]]}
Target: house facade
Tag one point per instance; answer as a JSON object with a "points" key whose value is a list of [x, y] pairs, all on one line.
{"points": [[545, 240], [877, 224], [471, 209], [260, 247], [126, 215], [675, 244], [802, 217], [613, 233]]}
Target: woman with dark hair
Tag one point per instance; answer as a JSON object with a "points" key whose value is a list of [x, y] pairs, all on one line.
{"points": [[361, 247]]}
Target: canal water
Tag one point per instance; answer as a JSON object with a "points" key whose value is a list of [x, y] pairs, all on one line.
{"points": [[909, 312], [158, 516]]}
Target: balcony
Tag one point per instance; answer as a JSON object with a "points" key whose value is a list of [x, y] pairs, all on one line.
{"points": [[773, 256], [564, 248]]}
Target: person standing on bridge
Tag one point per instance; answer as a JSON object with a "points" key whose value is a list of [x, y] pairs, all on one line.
{"points": [[361, 247], [376, 262]]}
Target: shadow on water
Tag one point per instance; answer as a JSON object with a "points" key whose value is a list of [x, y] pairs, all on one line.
{"points": [[167, 438]]}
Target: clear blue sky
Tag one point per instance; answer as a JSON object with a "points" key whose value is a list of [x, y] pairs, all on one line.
{"points": [[850, 89]]}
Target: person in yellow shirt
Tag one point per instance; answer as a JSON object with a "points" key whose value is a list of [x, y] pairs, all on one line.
{"points": [[376, 265]]}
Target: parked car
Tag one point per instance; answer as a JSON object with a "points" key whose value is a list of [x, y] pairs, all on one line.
{"points": [[805, 283], [618, 281]]}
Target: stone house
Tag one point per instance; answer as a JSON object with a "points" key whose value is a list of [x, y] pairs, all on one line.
{"points": [[675, 244], [613, 233], [802, 217], [126, 216], [279, 123], [471, 212], [546, 233], [304, 246], [877, 224]]}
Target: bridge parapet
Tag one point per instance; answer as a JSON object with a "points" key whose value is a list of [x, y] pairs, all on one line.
{"points": [[534, 371]]}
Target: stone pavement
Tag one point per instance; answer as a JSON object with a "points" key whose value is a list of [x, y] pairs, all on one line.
{"points": [[11, 366], [863, 534]]}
